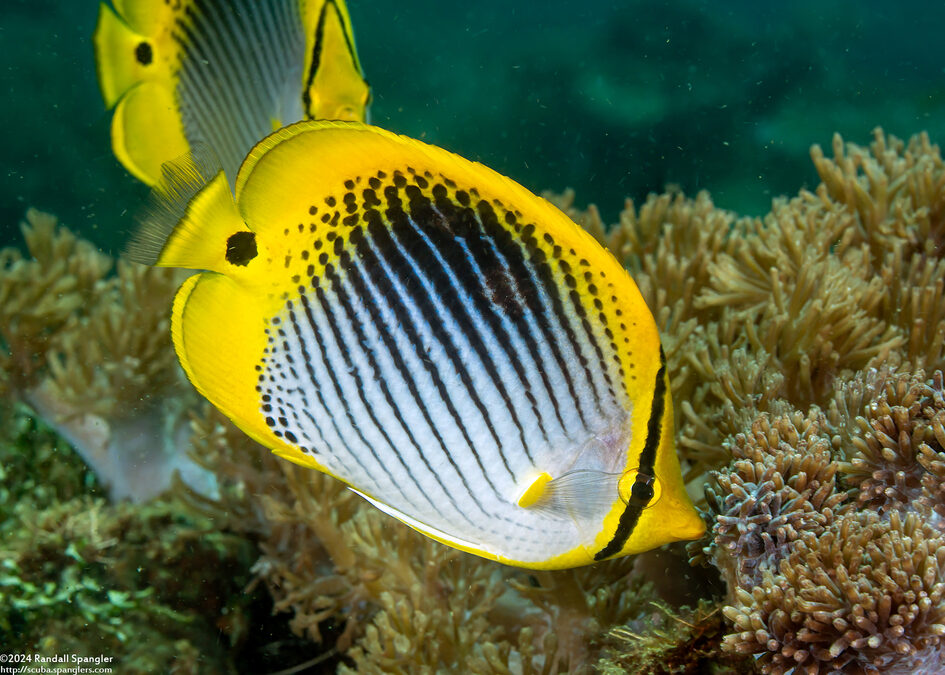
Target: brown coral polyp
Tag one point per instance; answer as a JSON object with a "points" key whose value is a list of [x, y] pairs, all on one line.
{"points": [[866, 596], [779, 486], [899, 446]]}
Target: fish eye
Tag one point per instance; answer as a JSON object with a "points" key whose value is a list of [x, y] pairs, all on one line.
{"points": [[637, 487]]}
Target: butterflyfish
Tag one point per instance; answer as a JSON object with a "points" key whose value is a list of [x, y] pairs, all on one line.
{"points": [[451, 346], [222, 72]]}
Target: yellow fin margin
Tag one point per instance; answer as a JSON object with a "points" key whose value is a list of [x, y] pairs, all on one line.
{"points": [[216, 325]]}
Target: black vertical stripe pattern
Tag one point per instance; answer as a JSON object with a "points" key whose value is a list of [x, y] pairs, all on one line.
{"points": [[239, 69], [642, 491], [527, 334], [339, 392], [408, 262], [338, 287], [433, 239], [466, 254], [316, 387], [379, 277], [380, 281], [536, 282], [327, 305], [408, 275]]}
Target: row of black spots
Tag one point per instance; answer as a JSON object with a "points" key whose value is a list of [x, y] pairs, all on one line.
{"points": [[622, 323], [591, 287], [428, 222], [340, 289], [306, 443], [421, 211], [341, 430], [410, 280], [578, 305], [386, 292], [570, 280], [527, 279], [539, 262], [333, 321]]}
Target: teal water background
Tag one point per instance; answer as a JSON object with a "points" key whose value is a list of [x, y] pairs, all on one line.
{"points": [[614, 99]]}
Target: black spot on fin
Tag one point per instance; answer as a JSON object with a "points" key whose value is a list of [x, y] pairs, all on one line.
{"points": [[144, 53], [189, 217], [241, 248]]}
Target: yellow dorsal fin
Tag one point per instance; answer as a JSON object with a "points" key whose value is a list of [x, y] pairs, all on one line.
{"points": [[335, 88], [191, 218]]}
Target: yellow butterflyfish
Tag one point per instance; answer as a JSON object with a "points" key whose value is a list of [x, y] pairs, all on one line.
{"points": [[451, 346], [222, 73]]}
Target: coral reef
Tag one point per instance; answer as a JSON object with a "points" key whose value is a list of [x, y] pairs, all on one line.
{"points": [[92, 354], [805, 349], [899, 447], [156, 588], [868, 595]]}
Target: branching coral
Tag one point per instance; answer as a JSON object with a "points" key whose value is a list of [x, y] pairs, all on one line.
{"points": [[91, 353], [780, 486], [824, 583], [39, 296]]}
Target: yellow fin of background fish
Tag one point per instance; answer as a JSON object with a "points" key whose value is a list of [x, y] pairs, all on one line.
{"points": [[431, 333], [181, 73], [333, 86]]}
